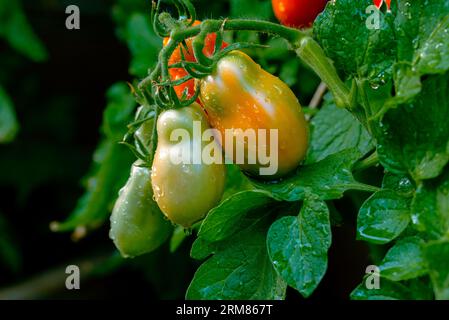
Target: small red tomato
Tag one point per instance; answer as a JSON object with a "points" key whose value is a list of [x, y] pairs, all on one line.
{"points": [[378, 3], [298, 13]]}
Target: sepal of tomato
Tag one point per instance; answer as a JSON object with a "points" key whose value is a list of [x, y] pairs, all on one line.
{"points": [[187, 51], [239, 94]]}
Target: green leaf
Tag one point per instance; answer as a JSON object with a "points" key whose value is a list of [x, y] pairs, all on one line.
{"points": [[8, 121], [383, 217], [121, 105], [240, 270], [422, 27], [405, 260], [143, 43], [10, 255], [335, 129], [259, 9], [356, 49], [15, 28], [298, 246], [437, 256], [328, 179], [430, 207], [218, 234], [398, 183], [241, 209], [407, 85], [236, 181], [388, 290], [289, 72], [201, 249], [414, 138], [110, 168], [420, 288], [433, 55], [423, 45]]}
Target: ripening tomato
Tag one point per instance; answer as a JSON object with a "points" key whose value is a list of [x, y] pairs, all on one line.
{"points": [[240, 95], [298, 13], [179, 73], [185, 189]]}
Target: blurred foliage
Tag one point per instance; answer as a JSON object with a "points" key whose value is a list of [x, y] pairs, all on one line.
{"points": [[16, 29]]}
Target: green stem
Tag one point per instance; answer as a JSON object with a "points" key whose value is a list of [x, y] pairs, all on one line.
{"points": [[364, 187], [154, 137], [290, 34], [369, 162], [313, 55]]}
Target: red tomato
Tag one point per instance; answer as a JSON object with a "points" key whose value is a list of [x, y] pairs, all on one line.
{"points": [[298, 13], [178, 73], [378, 3]]}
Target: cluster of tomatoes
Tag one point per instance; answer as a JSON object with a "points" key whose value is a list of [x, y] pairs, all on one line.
{"points": [[238, 95]]}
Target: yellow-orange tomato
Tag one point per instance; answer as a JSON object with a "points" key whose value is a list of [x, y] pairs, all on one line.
{"points": [[239, 94]]}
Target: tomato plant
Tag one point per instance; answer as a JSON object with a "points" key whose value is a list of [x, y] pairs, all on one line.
{"points": [[363, 153]]}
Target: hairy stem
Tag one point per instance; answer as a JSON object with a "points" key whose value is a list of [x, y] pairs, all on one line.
{"points": [[313, 55], [366, 163]]}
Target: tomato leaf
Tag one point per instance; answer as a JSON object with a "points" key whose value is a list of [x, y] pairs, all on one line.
{"points": [[437, 256], [328, 179], [135, 29], [240, 270], [414, 138], [10, 254], [298, 246], [110, 168], [405, 260], [398, 183], [388, 290], [423, 44], [383, 217], [430, 207], [8, 120], [240, 210], [16, 29], [259, 9], [355, 48], [333, 130]]}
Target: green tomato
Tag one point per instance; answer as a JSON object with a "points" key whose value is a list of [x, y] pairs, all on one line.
{"points": [[137, 224], [185, 190]]}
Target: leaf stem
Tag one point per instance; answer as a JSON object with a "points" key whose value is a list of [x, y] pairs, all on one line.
{"points": [[313, 55], [366, 163]]}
